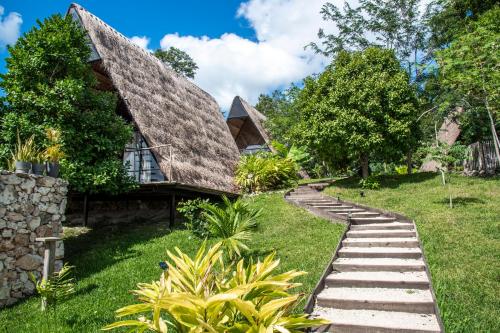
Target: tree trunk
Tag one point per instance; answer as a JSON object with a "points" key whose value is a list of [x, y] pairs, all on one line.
{"points": [[496, 142], [364, 165], [409, 163]]}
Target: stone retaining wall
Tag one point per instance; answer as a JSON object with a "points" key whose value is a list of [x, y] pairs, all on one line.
{"points": [[30, 207]]}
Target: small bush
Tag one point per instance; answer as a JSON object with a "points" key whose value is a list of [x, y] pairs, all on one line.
{"points": [[264, 172], [370, 183], [192, 211], [202, 294], [232, 222]]}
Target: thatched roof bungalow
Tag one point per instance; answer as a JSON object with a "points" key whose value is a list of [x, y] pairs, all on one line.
{"points": [[247, 127], [181, 136]]}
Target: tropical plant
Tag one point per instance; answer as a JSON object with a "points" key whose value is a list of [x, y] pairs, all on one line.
{"points": [[201, 294], [263, 172], [192, 211], [370, 183], [232, 222], [55, 289], [25, 151], [54, 153]]}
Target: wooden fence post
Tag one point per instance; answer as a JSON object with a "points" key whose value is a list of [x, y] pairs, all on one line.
{"points": [[49, 259]]}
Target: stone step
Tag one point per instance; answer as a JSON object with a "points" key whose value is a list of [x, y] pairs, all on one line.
{"points": [[380, 252], [381, 233], [380, 299], [325, 205], [381, 242], [408, 280], [382, 226], [367, 220], [346, 209], [360, 213], [372, 321], [378, 265]]}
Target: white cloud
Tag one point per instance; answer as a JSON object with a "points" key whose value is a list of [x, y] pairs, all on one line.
{"points": [[10, 27], [231, 65], [141, 41]]}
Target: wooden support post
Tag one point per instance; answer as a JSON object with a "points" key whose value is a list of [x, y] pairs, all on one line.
{"points": [[85, 209], [49, 259], [172, 211]]}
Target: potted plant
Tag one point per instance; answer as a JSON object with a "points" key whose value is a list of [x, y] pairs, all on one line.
{"points": [[38, 165], [23, 154], [53, 154]]}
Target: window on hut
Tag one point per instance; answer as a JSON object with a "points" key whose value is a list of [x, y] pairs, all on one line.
{"points": [[141, 162]]}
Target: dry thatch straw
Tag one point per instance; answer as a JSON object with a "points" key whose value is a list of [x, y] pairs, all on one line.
{"points": [[246, 124], [167, 109]]}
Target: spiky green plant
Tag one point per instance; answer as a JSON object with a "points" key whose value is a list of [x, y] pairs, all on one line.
{"points": [[232, 222], [57, 288], [25, 151], [201, 294]]}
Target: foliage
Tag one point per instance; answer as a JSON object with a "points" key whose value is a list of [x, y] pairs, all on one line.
{"points": [[200, 294], [449, 19], [192, 210], [395, 25], [470, 68], [370, 183], [281, 112], [57, 288], [25, 151], [264, 172], [297, 154], [178, 60], [49, 84], [362, 105], [232, 222]]}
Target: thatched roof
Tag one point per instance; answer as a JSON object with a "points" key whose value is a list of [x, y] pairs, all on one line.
{"points": [[246, 124], [167, 109]]}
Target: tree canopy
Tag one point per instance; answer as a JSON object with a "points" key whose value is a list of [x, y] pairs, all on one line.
{"points": [[360, 107], [178, 60], [49, 84]]}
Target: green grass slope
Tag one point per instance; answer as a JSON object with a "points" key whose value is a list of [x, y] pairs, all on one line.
{"points": [[461, 244], [110, 262]]}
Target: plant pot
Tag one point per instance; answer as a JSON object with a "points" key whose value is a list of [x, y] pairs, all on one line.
{"points": [[38, 168], [23, 167], [53, 169]]}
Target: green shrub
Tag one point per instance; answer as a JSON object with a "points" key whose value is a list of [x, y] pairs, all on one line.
{"points": [[401, 170], [370, 183], [201, 294], [57, 288], [192, 211], [264, 172], [232, 222]]}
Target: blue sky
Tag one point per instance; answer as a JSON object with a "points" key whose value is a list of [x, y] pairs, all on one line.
{"points": [[242, 47]]}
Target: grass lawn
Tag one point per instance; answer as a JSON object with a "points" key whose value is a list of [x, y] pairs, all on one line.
{"points": [[109, 262], [461, 244]]}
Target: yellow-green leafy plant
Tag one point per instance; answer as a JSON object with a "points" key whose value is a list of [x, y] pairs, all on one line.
{"points": [[54, 152], [233, 222], [25, 151], [264, 172], [55, 289], [201, 294]]}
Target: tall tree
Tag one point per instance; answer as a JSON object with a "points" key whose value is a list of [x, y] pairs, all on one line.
{"points": [[50, 84], [178, 60], [361, 106], [393, 24], [281, 113], [470, 67]]}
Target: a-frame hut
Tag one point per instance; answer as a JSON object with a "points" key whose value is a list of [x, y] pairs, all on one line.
{"points": [[246, 126], [181, 140]]}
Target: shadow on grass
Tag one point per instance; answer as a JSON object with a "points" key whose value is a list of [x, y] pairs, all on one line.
{"points": [[460, 201], [105, 246], [386, 181]]}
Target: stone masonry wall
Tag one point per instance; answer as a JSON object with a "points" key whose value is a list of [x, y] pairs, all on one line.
{"points": [[30, 207]]}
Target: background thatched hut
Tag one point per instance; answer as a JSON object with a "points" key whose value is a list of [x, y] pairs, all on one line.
{"points": [[246, 126]]}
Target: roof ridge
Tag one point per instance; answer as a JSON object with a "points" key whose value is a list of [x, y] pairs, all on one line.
{"points": [[145, 52]]}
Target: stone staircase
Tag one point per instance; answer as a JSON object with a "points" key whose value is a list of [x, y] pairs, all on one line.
{"points": [[377, 280]]}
